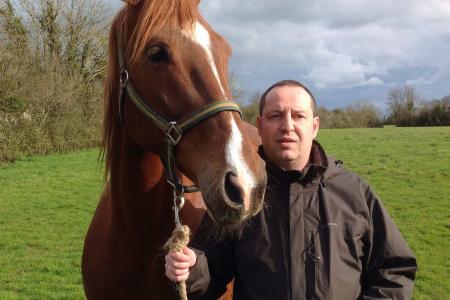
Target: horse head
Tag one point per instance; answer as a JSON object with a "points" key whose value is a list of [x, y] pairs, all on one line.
{"points": [[177, 64]]}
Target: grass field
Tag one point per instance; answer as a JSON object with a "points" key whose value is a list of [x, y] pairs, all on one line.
{"points": [[46, 204]]}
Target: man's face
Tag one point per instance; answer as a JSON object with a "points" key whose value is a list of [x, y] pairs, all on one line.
{"points": [[287, 127]]}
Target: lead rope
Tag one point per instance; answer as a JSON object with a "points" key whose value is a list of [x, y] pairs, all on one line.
{"points": [[180, 235]]}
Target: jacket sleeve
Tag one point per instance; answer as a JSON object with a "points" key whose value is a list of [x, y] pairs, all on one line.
{"points": [[199, 278], [212, 272], [389, 264]]}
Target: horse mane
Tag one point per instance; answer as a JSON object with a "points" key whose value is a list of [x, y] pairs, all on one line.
{"points": [[156, 15], [152, 16]]}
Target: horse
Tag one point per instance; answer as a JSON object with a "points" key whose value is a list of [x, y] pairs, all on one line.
{"points": [[166, 63]]}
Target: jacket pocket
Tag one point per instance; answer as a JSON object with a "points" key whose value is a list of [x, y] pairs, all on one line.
{"points": [[336, 253]]}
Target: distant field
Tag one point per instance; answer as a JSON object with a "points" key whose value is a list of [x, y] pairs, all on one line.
{"points": [[409, 168], [46, 204]]}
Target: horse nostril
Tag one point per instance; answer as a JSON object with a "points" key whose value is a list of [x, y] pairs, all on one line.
{"points": [[233, 189]]}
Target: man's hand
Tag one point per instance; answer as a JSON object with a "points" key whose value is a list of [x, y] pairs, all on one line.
{"points": [[178, 264]]}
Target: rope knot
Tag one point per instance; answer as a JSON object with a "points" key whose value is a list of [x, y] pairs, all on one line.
{"points": [[176, 243]]}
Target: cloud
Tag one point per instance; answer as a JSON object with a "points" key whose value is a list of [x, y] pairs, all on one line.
{"points": [[325, 57], [420, 80], [335, 44]]}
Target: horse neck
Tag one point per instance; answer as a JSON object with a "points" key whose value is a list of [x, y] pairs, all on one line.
{"points": [[141, 199]]}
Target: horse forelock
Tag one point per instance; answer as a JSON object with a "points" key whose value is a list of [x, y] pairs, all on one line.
{"points": [[157, 15]]}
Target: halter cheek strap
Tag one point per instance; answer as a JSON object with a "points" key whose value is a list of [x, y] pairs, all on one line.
{"points": [[173, 130]]}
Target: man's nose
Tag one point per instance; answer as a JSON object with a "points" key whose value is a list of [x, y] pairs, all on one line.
{"points": [[287, 124]]}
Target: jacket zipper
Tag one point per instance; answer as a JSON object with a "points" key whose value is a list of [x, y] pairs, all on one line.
{"points": [[310, 269]]}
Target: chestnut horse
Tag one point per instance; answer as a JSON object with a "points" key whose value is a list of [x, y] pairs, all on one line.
{"points": [[165, 63]]}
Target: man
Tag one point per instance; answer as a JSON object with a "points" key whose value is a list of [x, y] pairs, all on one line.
{"points": [[322, 234]]}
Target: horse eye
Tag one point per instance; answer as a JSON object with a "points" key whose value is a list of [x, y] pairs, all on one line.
{"points": [[158, 54]]}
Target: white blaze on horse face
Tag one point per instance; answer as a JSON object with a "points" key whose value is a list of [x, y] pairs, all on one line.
{"points": [[235, 159], [201, 36]]}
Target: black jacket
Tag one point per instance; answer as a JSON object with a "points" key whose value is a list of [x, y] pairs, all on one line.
{"points": [[322, 234]]}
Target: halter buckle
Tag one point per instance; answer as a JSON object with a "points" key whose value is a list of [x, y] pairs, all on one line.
{"points": [[124, 77], [173, 133]]}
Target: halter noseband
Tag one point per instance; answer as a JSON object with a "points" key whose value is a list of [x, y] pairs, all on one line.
{"points": [[173, 130]]}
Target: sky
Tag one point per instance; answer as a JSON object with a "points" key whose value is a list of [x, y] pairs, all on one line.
{"points": [[343, 50]]}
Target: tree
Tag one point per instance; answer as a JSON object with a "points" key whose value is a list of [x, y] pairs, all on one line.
{"points": [[404, 104], [251, 110], [325, 117], [237, 91], [364, 114], [52, 61], [361, 114], [13, 27], [69, 34], [434, 113]]}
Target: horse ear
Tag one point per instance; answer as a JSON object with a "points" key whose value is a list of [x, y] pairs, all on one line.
{"points": [[132, 2]]}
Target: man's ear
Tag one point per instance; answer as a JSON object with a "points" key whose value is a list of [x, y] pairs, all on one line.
{"points": [[258, 124], [132, 2], [316, 125]]}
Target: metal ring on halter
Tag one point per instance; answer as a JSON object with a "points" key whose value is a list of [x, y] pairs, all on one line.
{"points": [[179, 202], [124, 77]]}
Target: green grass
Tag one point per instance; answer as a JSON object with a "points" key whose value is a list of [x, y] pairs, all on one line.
{"points": [[46, 204], [409, 168]]}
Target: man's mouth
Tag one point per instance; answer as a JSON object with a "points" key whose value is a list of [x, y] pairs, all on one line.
{"points": [[286, 140]]}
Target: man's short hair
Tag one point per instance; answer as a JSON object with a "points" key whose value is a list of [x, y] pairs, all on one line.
{"points": [[289, 82]]}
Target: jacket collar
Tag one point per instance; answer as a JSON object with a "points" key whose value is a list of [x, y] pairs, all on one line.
{"points": [[316, 166]]}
